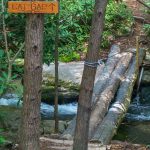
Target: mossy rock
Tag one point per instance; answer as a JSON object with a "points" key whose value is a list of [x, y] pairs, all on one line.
{"points": [[67, 91], [10, 118]]}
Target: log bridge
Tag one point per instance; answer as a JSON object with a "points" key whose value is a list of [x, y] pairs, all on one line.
{"points": [[111, 95]]}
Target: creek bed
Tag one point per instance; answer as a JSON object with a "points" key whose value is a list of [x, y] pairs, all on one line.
{"points": [[136, 126]]}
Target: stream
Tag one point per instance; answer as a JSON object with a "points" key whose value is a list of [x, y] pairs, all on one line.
{"points": [[135, 128], [65, 111]]}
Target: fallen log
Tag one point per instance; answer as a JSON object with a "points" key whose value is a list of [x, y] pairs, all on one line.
{"points": [[57, 144], [105, 74], [105, 98], [107, 129], [101, 80]]}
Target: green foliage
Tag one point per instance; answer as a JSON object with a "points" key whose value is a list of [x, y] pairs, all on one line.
{"points": [[146, 10], [3, 83], [15, 26], [2, 139], [3, 64], [10, 86], [74, 20], [146, 28], [118, 22]]}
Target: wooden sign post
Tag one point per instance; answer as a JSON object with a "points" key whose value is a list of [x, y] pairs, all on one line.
{"points": [[32, 7], [30, 123]]}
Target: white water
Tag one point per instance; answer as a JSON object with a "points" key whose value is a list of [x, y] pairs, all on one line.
{"points": [[136, 112], [47, 111]]}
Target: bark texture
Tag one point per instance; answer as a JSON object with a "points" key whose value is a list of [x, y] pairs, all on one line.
{"points": [[29, 132], [85, 97], [107, 129], [56, 75]]}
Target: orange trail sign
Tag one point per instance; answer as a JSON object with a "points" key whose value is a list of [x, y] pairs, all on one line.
{"points": [[32, 7]]}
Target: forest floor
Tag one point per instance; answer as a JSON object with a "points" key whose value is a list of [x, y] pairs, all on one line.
{"points": [[141, 18]]}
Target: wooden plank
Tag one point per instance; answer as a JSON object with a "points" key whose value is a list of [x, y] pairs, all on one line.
{"points": [[32, 7]]}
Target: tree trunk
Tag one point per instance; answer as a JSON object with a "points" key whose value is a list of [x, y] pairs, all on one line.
{"points": [[29, 134], [85, 97], [101, 80], [56, 75], [9, 71], [107, 129]]}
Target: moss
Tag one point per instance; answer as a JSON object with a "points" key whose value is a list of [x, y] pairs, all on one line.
{"points": [[49, 81]]}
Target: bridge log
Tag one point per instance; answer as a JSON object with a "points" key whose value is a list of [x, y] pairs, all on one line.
{"points": [[105, 89], [107, 95], [100, 82], [107, 129]]}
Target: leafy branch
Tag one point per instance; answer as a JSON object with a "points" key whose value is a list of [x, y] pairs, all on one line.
{"points": [[9, 59]]}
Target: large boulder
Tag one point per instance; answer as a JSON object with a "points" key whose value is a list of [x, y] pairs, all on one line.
{"points": [[70, 75]]}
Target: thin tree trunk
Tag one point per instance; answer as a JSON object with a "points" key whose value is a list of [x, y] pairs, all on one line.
{"points": [[29, 133], [56, 75], [9, 59], [9, 71], [85, 97]]}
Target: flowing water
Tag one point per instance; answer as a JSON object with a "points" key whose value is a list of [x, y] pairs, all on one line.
{"points": [[135, 127], [65, 111]]}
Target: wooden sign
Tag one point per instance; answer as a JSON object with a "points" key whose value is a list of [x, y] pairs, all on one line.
{"points": [[32, 7]]}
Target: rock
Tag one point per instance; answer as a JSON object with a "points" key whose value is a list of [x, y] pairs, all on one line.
{"points": [[146, 74], [48, 126], [9, 118], [70, 75], [145, 95], [68, 72], [10, 122], [146, 77], [66, 93]]}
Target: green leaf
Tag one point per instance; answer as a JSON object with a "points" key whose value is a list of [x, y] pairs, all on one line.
{"points": [[2, 140], [1, 53]]}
